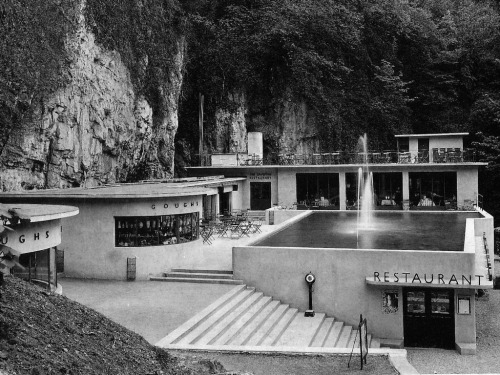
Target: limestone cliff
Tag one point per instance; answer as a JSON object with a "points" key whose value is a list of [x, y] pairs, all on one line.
{"points": [[96, 129]]}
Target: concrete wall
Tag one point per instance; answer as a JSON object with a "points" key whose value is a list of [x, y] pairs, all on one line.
{"points": [[446, 142], [89, 239], [282, 216], [465, 325], [467, 185], [287, 188], [237, 197], [341, 290]]}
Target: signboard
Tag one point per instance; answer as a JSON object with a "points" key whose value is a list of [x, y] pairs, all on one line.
{"points": [[29, 237], [363, 333], [463, 305]]}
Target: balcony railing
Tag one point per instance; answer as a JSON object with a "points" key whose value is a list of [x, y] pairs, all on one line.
{"points": [[435, 156]]}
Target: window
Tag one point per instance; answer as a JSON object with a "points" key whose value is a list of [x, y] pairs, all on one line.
{"points": [[156, 230]]}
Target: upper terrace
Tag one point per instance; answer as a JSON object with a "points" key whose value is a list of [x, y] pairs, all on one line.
{"points": [[410, 149]]}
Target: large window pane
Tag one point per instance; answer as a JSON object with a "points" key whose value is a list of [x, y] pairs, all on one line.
{"points": [[156, 230]]}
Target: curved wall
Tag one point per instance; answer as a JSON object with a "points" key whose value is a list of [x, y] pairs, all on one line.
{"points": [[89, 238]]}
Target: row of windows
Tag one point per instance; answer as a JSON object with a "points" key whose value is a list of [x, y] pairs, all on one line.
{"points": [[156, 230]]}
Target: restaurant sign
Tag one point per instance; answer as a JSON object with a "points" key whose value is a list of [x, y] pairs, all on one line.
{"points": [[259, 176], [415, 278]]}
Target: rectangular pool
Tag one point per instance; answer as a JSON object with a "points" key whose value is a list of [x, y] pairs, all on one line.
{"points": [[394, 230]]}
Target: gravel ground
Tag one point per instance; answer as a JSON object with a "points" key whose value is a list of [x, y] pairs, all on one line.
{"points": [[487, 359], [280, 364]]}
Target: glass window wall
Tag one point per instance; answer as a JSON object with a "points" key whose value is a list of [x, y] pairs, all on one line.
{"points": [[156, 230]]}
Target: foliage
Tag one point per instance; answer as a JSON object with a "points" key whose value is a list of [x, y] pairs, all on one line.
{"points": [[33, 58], [488, 150], [380, 67]]}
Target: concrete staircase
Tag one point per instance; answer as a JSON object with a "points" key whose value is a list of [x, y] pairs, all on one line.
{"points": [[245, 318], [198, 276]]}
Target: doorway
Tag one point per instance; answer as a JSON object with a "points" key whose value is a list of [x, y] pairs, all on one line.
{"points": [[428, 318], [260, 195]]}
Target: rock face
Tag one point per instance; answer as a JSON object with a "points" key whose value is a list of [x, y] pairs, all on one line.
{"points": [[231, 131], [297, 131], [96, 129]]}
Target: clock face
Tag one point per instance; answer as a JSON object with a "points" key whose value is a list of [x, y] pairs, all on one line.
{"points": [[310, 278]]}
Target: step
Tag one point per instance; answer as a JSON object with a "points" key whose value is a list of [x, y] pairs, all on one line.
{"points": [[375, 343], [219, 314], [344, 337], [392, 343], [225, 324], [200, 275], [301, 330], [186, 270], [245, 319], [354, 339], [276, 332], [195, 280], [333, 335], [262, 332], [322, 333], [201, 317]]}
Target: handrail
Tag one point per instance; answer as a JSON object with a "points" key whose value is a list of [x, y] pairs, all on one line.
{"points": [[488, 261], [343, 157], [480, 201]]}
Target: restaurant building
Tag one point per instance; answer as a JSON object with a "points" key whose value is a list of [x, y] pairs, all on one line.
{"points": [[413, 284], [432, 166]]}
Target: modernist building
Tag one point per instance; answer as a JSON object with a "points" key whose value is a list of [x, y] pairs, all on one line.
{"points": [[415, 284], [35, 232], [134, 230], [432, 166]]}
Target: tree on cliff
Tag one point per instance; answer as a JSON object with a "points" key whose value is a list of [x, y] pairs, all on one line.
{"points": [[32, 58]]}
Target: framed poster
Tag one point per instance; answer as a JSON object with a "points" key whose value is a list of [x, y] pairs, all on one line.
{"points": [[463, 303], [390, 301]]}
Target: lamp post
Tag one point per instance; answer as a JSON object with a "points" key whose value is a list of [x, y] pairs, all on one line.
{"points": [[310, 279]]}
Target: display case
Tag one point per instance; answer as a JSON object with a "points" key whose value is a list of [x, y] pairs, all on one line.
{"points": [[133, 231]]}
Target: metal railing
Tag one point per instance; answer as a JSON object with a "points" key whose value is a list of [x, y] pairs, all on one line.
{"points": [[435, 156]]}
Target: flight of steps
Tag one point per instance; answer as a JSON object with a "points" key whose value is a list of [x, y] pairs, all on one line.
{"points": [[198, 276], [243, 318]]}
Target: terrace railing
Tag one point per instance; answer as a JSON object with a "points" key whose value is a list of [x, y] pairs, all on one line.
{"points": [[434, 156]]}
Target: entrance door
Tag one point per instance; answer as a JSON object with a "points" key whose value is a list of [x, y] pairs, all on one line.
{"points": [[260, 195], [428, 318]]}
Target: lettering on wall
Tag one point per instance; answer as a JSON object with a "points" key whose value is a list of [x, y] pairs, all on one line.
{"points": [[4, 240], [177, 205], [415, 278], [259, 176]]}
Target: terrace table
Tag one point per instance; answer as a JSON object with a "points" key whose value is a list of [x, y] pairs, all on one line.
{"points": [[387, 202], [404, 157]]}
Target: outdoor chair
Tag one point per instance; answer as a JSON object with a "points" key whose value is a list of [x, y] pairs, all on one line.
{"points": [[207, 234], [255, 224]]}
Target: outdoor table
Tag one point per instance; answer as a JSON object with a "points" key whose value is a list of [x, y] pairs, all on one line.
{"points": [[404, 157], [387, 202]]}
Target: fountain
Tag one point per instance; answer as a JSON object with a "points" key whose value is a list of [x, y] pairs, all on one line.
{"points": [[365, 191]]}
